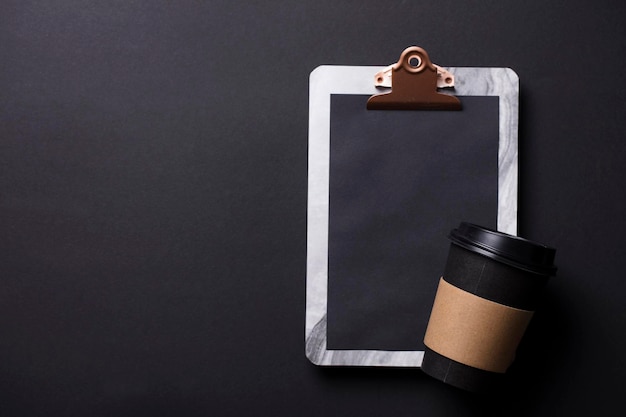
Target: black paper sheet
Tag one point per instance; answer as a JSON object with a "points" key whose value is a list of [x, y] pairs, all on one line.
{"points": [[399, 182]]}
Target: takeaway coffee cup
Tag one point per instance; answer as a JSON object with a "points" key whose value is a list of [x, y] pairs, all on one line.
{"points": [[491, 285]]}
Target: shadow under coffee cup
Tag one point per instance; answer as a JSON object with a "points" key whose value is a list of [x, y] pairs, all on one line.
{"points": [[491, 286]]}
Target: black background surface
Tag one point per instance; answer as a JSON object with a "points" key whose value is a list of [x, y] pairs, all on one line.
{"points": [[153, 175]]}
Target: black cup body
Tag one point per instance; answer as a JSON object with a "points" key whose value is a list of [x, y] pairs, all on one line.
{"points": [[493, 266]]}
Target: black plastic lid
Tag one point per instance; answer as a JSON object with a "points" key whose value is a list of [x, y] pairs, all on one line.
{"points": [[508, 249]]}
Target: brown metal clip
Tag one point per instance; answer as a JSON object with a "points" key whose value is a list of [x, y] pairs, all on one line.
{"points": [[414, 86]]}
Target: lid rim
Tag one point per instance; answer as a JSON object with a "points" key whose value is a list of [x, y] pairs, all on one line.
{"points": [[511, 250]]}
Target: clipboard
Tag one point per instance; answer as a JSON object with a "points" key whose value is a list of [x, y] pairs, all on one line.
{"points": [[384, 189]]}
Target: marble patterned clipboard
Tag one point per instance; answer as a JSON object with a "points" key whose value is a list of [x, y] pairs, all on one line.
{"points": [[326, 81]]}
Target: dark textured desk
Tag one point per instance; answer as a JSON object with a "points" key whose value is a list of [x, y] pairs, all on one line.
{"points": [[153, 203]]}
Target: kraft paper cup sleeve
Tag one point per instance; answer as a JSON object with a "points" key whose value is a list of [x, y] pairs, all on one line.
{"points": [[474, 331]]}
